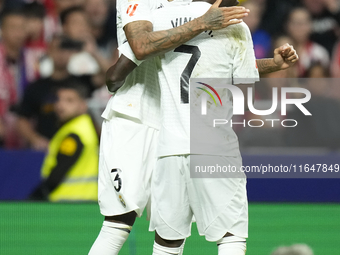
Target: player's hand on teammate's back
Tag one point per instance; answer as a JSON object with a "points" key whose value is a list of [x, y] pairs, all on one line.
{"points": [[220, 17], [285, 56]]}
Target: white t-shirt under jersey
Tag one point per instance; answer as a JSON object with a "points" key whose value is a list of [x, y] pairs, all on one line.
{"points": [[226, 53]]}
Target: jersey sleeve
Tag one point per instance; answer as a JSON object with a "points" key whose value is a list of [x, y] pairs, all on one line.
{"points": [[245, 69], [126, 50], [134, 10]]}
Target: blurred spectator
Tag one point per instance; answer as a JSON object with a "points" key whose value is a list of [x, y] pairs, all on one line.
{"points": [[1, 8], [261, 39], [54, 8], [75, 24], [260, 3], [299, 29], [35, 46], [275, 15], [12, 4], [295, 249], [102, 19], [84, 28], [317, 70], [11, 65], [335, 65], [322, 128], [103, 26], [325, 21], [13, 36], [70, 168], [37, 120], [62, 5]]}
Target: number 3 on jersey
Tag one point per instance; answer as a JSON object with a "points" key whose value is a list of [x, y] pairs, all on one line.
{"points": [[185, 77], [118, 184]]}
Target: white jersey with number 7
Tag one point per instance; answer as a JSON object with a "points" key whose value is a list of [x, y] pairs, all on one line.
{"points": [[226, 53]]}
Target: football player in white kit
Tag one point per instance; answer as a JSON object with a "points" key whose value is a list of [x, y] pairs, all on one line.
{"points": [[131, 118], [219, 205]]}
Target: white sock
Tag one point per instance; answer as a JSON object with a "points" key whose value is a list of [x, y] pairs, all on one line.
{"points": [[232, 245], [162, 250], [111, 238]]}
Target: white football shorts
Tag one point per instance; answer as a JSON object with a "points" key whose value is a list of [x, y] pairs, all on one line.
{"points": [[219, 205], [126, 160]]}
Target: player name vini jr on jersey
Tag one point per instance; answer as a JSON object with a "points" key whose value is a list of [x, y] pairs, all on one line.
{"points": [[180, 21]]}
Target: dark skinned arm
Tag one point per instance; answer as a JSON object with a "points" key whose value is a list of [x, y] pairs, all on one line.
{"points": [[146, 43], [116, 74]]}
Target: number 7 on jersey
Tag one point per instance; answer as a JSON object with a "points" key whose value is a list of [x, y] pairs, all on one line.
{"points": [[185, 77]]}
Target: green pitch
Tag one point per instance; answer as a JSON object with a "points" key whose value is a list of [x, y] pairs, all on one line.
{"points": [[55, 229]]}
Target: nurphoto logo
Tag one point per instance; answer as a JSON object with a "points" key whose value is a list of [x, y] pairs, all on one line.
{"points": [[238, 99]]}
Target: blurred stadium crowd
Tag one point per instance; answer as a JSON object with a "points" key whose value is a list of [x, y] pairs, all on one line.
{"points": [[45, 43]]}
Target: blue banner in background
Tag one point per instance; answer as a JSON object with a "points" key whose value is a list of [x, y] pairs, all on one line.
{"points": [[20, 173]]}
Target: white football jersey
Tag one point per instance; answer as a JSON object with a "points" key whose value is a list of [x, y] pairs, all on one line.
{"points": [[140, 95], [226, 53]]}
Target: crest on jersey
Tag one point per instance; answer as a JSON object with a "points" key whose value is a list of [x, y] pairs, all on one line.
{"points": [[122, 201]]}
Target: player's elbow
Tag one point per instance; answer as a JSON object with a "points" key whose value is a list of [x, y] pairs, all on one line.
{"points": [[139, 36], [140, 54], [114, 80], [114, 84], [114, 74]]}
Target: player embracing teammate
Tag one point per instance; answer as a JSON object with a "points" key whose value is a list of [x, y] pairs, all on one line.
{"points": [[129, 142]]}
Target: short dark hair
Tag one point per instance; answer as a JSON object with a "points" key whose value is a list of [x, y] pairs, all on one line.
{"points": [[76, 85], [34, 10], [11, 12], [317, 64], [65, 13]]}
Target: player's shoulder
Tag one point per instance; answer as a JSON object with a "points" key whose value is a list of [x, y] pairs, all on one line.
{"points": [[198, 8], [243, 25], [121, 5], [239, 32], [200, 4], [119, 2], [184, 7]]}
